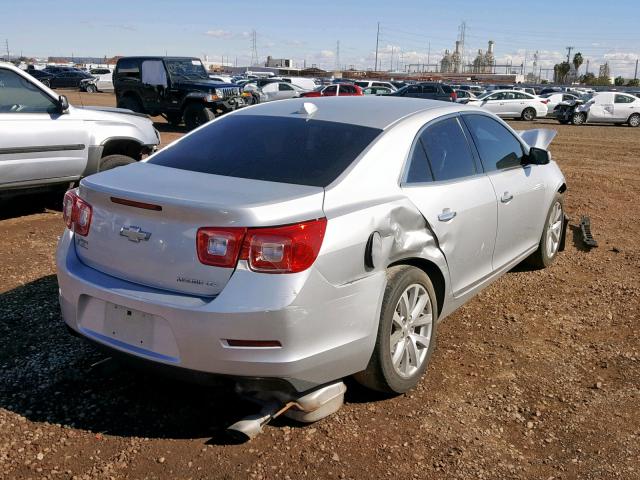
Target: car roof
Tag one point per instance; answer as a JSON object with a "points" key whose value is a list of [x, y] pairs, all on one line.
{"points": [[369, 111], [156, 57]]}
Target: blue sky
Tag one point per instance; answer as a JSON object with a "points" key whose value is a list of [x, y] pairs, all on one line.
{"points": [[309, 30]]}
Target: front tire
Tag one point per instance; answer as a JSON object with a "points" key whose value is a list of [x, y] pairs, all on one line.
{"points": [[634, 120], [579, 118], [528, 114], [131, 103], [113, 161], [91, 89], [406, 332], [551, 235], [197, 114]]}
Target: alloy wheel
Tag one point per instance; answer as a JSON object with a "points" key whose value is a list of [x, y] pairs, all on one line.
{"points": [[411, 330], [554, 230]]}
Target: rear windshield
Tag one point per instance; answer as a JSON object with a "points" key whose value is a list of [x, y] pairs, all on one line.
{"points": [[275, 149]]}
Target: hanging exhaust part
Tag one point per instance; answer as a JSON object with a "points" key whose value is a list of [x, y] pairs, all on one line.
{"points": [[310, 407]]}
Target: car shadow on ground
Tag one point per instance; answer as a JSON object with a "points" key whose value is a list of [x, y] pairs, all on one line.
{"points": [[22, 205], [48, 375], [164, 127]]}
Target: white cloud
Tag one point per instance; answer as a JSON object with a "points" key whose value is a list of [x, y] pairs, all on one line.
{"points": [[219, 33]]}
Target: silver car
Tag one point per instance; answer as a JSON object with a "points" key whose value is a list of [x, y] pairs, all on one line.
{"points": [[330, 242]]}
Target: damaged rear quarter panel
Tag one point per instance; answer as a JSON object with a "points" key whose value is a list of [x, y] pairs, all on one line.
{"points": [[368, 199]]}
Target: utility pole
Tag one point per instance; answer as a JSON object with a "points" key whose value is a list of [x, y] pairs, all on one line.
{"points": [[391, 68], [635, 75], [6, 44], [377, 42], [587, 67], [569, 54], [428, 56], [337, 68], [254, 48]]}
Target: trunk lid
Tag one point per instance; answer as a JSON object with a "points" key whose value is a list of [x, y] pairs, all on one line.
{"points": [[157, 247]]}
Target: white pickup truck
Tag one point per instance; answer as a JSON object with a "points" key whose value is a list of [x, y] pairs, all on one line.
{"points": [[45, 142]]}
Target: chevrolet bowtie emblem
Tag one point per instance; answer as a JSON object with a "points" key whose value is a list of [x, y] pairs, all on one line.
{"points": [[134, 234]]}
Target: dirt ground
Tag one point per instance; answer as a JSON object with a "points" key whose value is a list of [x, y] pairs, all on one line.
{"points": [[536, 378]]}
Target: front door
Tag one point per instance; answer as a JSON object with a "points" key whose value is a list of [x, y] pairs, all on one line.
{"points": [[37, 142], [456, 198], [520, 190]]}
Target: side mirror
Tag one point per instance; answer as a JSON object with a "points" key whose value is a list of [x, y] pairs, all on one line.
{"points": [[63, 104], [537, 156]]}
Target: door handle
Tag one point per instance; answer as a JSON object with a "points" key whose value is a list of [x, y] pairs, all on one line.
{"points": [[506, 197], [447, 215]]}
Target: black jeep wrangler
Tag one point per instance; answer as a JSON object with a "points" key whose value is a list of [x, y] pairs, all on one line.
{"points": [[178, 88]]}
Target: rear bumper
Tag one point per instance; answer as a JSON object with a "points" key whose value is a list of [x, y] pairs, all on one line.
{"points": [[326, 331]]}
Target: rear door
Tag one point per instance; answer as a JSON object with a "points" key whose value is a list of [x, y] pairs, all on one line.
{"points": [[624, 106], [447, 185], [520, 190], [37, 144]]}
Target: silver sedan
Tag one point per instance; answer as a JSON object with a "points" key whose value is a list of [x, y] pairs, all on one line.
{"points": [[330, 242]]}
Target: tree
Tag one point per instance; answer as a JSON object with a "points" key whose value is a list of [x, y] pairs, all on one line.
{"points": [[560, 72], [619, 81], [577, 61], [634, 83], [587, 78]]}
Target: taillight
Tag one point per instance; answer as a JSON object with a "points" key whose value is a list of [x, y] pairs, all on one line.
{"points": [[76, 213], [219, 247], [286, 249], [545, 101]]}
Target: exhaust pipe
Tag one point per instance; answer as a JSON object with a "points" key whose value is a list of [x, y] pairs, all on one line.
{"points": [[308, 408]]}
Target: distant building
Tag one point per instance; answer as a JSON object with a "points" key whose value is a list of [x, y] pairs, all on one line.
{"points": [[278, 62], [483, 63], [605, 72]]}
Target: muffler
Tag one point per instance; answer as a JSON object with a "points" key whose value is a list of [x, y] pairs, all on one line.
{"points": [[310, 407]]}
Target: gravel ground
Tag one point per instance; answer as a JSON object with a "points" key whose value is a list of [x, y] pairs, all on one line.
{"points": [[536, 378]]}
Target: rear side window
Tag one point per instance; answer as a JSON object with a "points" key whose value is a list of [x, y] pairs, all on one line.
{"points": [[624, 99], [497, 146], [447, 150], [274, 149], [429, 89], [129, 68], [446, 89]]}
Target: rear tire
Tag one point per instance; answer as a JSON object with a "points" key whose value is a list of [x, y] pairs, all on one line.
{"points": [[634, 120], [131, 103], [579, 118], [196, 114], [551, 235], [528, 114], [113, 161], [91, 89], [406, 332], [174, 119]]}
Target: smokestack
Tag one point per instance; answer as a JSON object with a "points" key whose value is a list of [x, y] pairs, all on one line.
{"points": [[491, 44], [457, 46]]}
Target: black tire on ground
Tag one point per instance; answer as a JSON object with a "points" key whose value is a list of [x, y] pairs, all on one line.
{"points": [[45, 82], [579, 118], [196, 114], [380, 374], [91, 88], [528, 114], [634, 120], [541, 258], [174, 119], [113, 161], [130, 103]]}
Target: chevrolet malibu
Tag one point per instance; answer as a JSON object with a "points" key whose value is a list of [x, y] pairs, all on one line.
{"points": [[330, 242]]}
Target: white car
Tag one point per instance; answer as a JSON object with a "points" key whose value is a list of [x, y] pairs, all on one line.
{"points": [[45, 142], [278, 91], [608, 107], [376, 83], [554, 99], [306, 84], [513, 104]]}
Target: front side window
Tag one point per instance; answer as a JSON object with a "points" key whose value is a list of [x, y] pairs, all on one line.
{"points": [[284, 87], [330, 90], [497, 146], [18, 95], [415, 89]]}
